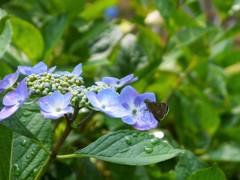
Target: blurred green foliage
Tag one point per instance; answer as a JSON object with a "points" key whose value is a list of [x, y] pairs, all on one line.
{"points": [[185, 51]]}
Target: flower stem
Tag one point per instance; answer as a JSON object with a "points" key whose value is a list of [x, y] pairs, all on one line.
{"points": [[55, 150]]}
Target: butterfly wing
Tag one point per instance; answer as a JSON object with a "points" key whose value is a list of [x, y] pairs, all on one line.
{"points": [[159, 110]]}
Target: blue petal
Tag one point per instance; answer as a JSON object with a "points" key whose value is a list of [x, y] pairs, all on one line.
{"points": [[108, 102], [25, 70], [45, 105], [127, 96], [108, 96], [92, 97], [39, 68], [22, 90], [19, 96], [55, 114], [139, 101], [129, 120], [50, 70], [8, 81], [7, 111], [77, 70], [11, 98], [146, 122], [110, 81]]}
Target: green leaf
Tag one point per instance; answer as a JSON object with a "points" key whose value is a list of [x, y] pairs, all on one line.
{"points": [[22, 156], [208, 174], [166, 8], [186, 36], [94, 31], [15, 124], [130, 148], [174, 16], [52, 31], [227, 152], [27, 38], [27, 157], [5, 32], [187, 164], [195, 114], [5, 151]]}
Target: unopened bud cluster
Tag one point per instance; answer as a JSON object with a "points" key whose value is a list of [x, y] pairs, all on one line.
{"points": [[46, 83]]}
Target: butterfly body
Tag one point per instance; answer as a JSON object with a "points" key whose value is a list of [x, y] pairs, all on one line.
{"points": [[159, 110]]}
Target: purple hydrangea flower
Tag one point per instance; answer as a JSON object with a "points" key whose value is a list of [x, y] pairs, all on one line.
{"points": [[13, 100], [40, 67], [77, 71], [8, 81], [55, 105], [139, 116], [117, 83], [107, 101]]}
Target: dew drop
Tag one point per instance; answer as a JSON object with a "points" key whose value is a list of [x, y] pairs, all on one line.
{"points": [[128, 140], [148, 149], [35, 171], [123, 150], [28, 156], [17, 170], [155, 140], [24, 142]]}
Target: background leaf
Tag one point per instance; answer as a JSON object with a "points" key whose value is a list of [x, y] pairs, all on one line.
{"points": [[5, 32], [208, 174], [27, 38], [52, 32]]}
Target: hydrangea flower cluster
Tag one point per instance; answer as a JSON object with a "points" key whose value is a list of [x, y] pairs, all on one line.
{"points": [[63, 93]]}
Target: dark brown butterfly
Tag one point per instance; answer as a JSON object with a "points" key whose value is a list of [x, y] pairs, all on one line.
{"points": [[159, 110]]}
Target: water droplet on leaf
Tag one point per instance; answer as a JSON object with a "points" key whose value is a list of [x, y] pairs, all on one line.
{"points": [[155, 140], [128, 140], [24, 142], [35, 171], [16, 170], [28, 156], [148, 149]]}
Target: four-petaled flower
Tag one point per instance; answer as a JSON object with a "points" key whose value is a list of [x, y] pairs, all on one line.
{"points": [[40, 67], [139, 117], [107, 101], [56, 105], [13, 100], [117, 83], [8, 81]]}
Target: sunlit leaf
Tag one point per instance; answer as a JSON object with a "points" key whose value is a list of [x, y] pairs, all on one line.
{"points": [[5, 32], [27, 38]]}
